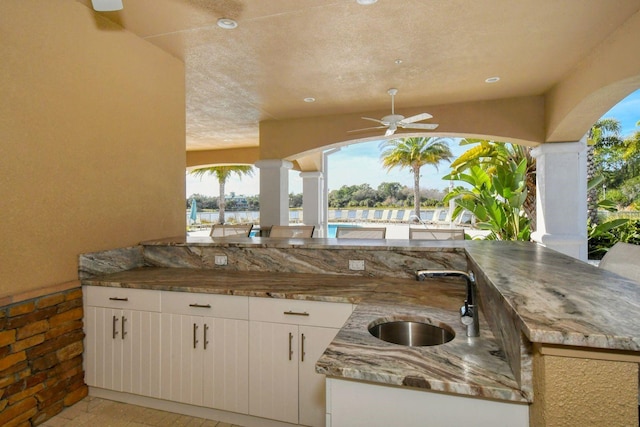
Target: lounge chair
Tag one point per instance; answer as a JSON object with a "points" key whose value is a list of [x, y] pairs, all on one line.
{"points": [[361, 232], [436, 234], [622, 259], [292, 231], [231, 230]]}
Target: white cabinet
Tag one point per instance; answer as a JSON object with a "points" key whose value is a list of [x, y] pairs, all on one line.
{"points": [[122, 344], [287, 337], [206, 350], [352, 403]]}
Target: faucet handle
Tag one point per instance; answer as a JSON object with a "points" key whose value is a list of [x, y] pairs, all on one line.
{"points": [[466, 314]]}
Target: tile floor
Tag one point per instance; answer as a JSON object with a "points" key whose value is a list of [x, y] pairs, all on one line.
{"points": [[96, 412]]}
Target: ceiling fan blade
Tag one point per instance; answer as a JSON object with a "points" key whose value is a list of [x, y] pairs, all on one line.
{"points": [[361, 130], [428, 126], [373, 120], [417, 118]]}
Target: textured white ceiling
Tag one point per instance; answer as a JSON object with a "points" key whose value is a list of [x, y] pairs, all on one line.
{"points": [[343, 54]]}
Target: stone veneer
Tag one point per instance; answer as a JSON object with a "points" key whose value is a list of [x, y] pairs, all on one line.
{"points": [[41, 357]]}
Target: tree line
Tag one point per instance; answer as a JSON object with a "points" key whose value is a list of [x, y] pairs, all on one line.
{"points": [[387, 194]]}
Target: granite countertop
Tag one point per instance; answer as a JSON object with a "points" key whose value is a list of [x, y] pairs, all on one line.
{"points": [[553, 298], [466, 366], [311, 287], [475, 367], [559, 300], [311, 243]]}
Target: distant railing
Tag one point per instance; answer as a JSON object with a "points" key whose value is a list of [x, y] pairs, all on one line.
{"points": [[620, 214]]}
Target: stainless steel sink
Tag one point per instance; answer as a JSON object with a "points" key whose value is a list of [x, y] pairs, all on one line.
{"points": [[411, 333]]}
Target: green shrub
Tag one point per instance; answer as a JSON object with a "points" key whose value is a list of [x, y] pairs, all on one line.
{"points": [[600, 241]]}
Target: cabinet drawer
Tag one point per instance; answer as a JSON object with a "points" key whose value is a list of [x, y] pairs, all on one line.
{"points": [[195, 304], [313, 313], [133, 299]]}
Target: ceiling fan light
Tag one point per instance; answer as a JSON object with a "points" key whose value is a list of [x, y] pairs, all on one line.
{"points": [[106, 5], [366, 2]]}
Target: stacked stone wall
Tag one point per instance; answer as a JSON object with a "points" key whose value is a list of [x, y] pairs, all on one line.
{"points": [[41, 358]]}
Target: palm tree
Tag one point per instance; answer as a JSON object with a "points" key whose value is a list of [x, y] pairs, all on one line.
{"points": [[604, 133], [222, 173], [413, 153]]}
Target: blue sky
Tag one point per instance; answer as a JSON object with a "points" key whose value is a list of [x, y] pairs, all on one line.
{"points": [[360, 163]]}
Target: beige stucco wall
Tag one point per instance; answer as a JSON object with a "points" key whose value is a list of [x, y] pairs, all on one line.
{"points": [[92, 149], [570, 391], [519, 120]]}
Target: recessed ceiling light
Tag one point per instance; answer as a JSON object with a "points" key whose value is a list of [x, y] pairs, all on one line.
{"points": [[492, 79], [310, 99], [398, 61], [227, 23], [366, 2]]}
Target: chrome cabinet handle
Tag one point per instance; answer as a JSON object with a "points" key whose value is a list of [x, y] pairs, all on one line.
{"points": [[200, 305], [113, 327], [296, 313], [302, 349], [195, 336], [124, 319], [118, 299], [206, 328], [290, 345]]}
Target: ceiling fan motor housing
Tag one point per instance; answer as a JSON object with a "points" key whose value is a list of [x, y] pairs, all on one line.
{"points": [[391, 118]]}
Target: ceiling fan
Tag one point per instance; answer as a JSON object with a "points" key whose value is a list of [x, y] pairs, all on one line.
{"points": [[394, 121]]}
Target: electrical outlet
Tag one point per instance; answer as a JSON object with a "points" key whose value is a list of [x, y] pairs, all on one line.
{"points": [[220, 260], [356, 264]]}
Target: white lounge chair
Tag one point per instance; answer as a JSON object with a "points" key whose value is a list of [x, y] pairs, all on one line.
{"points": [[624, 260], [361, 232], [436, 234], [231, 230], [292, 231]]}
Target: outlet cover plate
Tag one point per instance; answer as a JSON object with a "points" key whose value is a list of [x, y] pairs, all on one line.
{"points": [[220, 260], [356, 264]]}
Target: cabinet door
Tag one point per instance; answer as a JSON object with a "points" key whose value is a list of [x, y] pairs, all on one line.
{"points": [[104, 348], [313, 342], [273, 371], [182, 375], [226, 364], [141, 352], [123, 350]]}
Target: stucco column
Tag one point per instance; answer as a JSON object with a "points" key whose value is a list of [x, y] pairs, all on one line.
{"points": [[574, 386], [562, 197], [312, 198], [274, 192]]}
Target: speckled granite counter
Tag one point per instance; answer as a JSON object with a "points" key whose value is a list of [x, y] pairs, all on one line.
{"points": [[475, 367]]}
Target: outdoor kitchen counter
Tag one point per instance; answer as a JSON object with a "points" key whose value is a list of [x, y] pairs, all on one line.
{"points": [[475, 367], [525, 290], [550, 297]]}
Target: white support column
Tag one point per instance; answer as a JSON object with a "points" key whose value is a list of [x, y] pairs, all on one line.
{"points": [[562, 197], [312, 189], [274, 191]]}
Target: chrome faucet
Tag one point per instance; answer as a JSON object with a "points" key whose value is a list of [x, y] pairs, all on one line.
{"points": [[469, 315]]}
